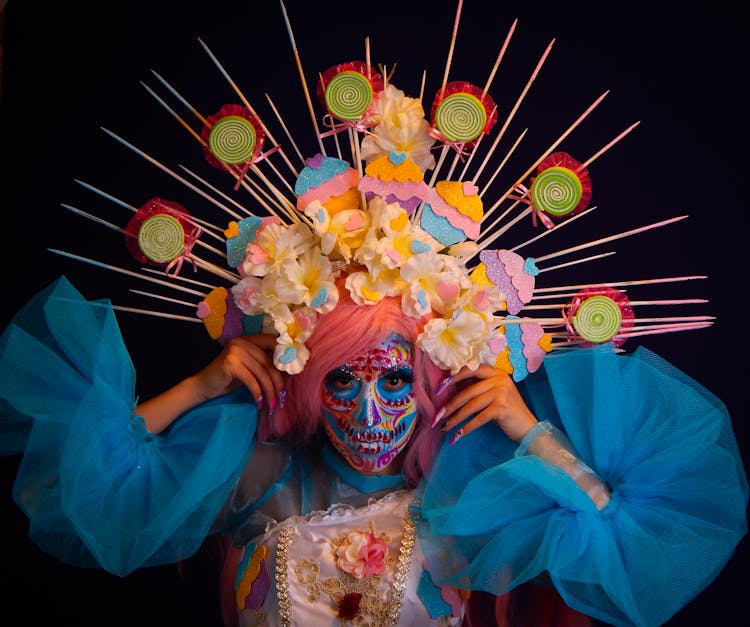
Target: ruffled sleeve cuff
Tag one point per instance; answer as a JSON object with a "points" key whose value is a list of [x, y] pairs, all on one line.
{"points": [[494, 517], [97, 487]]}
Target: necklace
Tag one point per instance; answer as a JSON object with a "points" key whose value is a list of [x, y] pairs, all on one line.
{"points": [[398, 584]]}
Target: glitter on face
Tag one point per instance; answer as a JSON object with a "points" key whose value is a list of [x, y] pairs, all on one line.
{"points": [[369, 407]]}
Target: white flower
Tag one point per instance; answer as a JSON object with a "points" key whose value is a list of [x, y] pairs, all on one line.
{"points": [[245, 294], [450, 342], [402, 128], [340, 234], [368, 289], [309, 280], [274, 244]]}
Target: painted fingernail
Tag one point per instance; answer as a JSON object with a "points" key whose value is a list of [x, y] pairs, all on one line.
{"points": [[273, 403], [455, 437], [437, 417], [443, 385], [282, 398], [259, 400]]}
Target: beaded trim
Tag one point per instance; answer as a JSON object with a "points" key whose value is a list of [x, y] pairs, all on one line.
{"points": [[400, 577]]}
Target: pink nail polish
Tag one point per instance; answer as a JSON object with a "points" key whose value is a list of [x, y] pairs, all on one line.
{"points": [[273, 403], [443, 385], [456, 436], [437, 417], [259, 400]]}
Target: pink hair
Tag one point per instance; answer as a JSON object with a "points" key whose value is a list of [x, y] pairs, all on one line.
{"points": [[347, 332]]}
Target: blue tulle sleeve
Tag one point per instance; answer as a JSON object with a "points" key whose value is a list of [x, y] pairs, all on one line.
{"points": [[98, 489], [664, 445]]}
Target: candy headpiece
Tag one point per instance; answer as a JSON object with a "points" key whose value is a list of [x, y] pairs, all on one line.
{"points": [[376, 223]]}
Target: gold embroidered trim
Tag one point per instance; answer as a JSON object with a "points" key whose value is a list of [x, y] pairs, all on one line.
{"points": [[400, 577], [282, 592]]}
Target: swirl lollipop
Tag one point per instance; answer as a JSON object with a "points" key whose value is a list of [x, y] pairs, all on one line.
{"points": [[233, 136], [461, 113], [599, 314], [157, 233], [561, 187], [347, 90]]}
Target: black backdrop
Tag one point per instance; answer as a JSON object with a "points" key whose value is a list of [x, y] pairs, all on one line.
{"points": [[71, 68]]}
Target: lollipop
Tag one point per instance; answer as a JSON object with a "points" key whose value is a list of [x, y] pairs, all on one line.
{"points": [[233, 136], [331, 181], [453, 212], [461, 113], [599, 314], [561, 187], [513, 275], [347, 90], [158, 232], [395, 177]]}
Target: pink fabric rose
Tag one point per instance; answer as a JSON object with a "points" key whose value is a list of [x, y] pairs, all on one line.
{"points": [[362, 554]]}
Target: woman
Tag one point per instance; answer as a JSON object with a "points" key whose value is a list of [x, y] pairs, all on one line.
{"points": [[318, 504]]}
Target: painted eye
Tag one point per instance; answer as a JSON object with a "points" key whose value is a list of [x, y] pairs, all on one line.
{"points": [[340, 380], [397, 380]]}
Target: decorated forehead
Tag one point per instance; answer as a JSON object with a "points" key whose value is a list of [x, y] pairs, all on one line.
{"points": [[392, 353], [400, 199]]}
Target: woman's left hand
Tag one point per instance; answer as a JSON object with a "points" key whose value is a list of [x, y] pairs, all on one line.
{"points": [[493, 397]]}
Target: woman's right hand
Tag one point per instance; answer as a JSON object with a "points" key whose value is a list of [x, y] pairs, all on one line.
{"points": [[246, 360]]}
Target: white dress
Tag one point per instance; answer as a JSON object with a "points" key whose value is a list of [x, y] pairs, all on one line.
{"points": [[295, 566]]}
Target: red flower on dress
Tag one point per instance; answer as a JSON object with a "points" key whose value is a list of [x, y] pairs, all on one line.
{"points": [[349, 606]]}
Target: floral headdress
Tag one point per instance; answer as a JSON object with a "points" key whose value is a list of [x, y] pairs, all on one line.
{"points": [[376, 224]]}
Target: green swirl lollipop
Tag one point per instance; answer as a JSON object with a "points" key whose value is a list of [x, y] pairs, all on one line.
{"points": [[556, 191], [461, 117], [598, 319], [232, 139], [348, 95], [161, 238]]}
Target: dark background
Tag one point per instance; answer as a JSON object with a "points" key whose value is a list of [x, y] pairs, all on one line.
{"points": [[71, 68]]}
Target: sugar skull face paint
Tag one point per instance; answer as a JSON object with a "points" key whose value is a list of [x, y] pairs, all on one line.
{"points": [[368, 405]]}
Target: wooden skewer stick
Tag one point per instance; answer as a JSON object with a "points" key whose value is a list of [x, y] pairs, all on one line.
{"points": [[179, 97], [600, 152], [286, 130], [178, 277], [96, 190], [619, 283], [686, 327], [302, 78], [159, 314], [124, 271], [577, 261], [487, 185], [499, 57], [233, 170], [126, 233], [165, 298], [245, 101], [635, 303], [451, 47], [164, 168], [208, 230], [611, 238], [546, 232], [174, 114], [545, 154], [217, 191], [512, 113]]}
